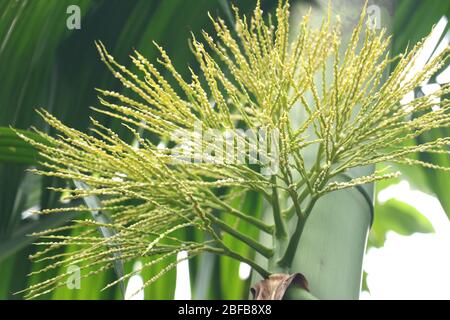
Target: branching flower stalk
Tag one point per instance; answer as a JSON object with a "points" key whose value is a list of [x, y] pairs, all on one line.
{"points": [[253, 76]]}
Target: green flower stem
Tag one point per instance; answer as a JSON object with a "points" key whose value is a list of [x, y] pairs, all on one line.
{"points": [[266, 252], [252, 220], [289, 212], [232, 254], [294, 196], [288, 257], [256, 222], [280, 227]]}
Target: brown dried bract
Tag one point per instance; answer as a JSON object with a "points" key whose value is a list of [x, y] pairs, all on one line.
{"points": [[276, 285]]}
